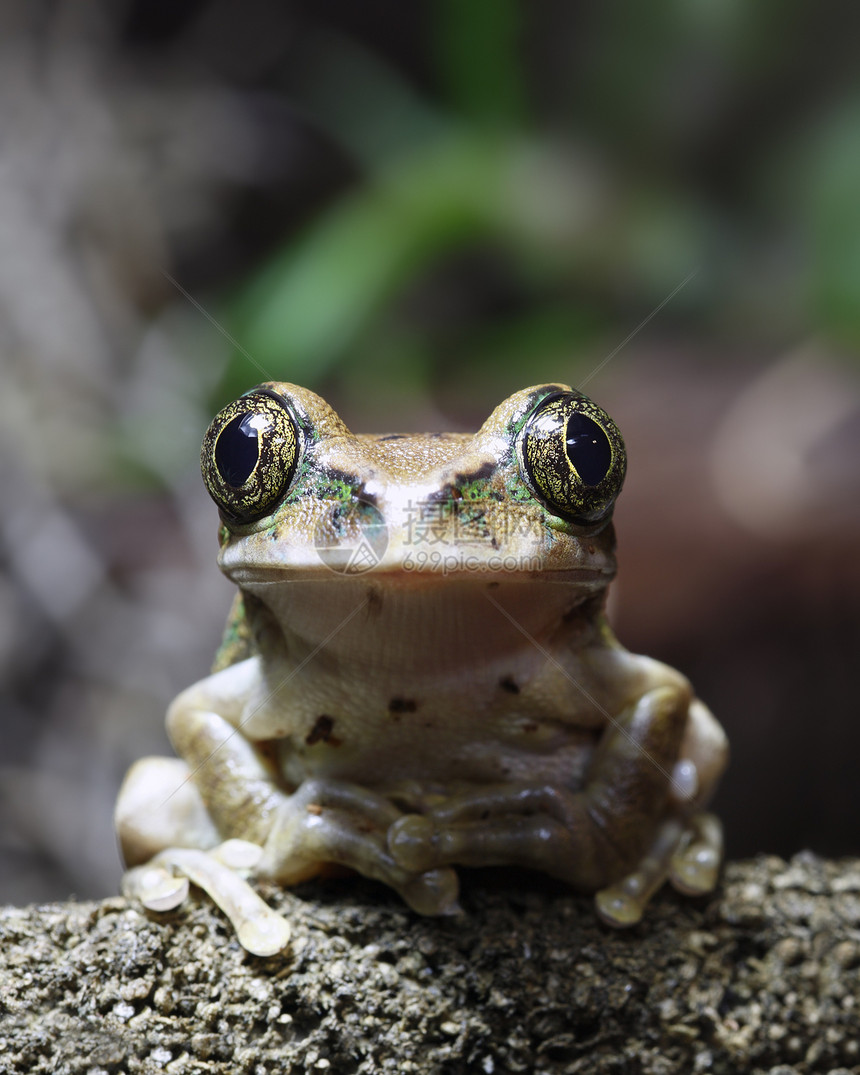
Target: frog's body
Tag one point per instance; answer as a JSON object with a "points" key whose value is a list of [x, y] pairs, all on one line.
{"points": [[418, 673]]}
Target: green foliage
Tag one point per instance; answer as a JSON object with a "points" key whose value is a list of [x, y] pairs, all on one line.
{"points": [[561, 175], [832, 215], [477, 55]]}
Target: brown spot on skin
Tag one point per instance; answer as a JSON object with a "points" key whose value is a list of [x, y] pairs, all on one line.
{"points": [[485, 470], [508, 684], [269, 747], [402, 705], [352, 480], [321, 732], [446, 495]]}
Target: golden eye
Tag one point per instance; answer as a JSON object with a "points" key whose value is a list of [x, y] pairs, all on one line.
{"points": [[249, 455], [572, 456]]}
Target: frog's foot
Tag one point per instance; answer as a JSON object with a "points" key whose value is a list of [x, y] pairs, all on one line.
{"points": [[331, 821], [538, 827], [162, 884], [552, 830], [695, 864], [583, 837], [686, 852]]}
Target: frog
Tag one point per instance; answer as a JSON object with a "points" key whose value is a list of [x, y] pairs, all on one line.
{"points": [[418, 675]]}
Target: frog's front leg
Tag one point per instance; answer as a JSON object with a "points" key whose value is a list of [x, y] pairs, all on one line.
{"points": [[332, 821], [322, 821], [624, 829], [225, 788]]}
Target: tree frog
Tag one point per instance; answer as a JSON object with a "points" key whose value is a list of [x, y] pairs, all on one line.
{"points": [[418, 674]]}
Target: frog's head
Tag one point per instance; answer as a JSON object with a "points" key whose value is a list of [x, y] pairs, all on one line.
{"points": [[527, 497]]}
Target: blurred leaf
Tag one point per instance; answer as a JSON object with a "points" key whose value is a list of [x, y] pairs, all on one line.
{"points": [[661, 79], [364, 104], [477, 55], [313, 302], [834, 223], [554, 337]]}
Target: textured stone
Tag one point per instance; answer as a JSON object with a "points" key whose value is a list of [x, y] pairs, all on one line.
{"points": [[762, 978]]}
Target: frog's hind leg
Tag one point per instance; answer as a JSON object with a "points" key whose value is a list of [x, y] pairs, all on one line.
{"points": [[686, 851], [158, 807]]}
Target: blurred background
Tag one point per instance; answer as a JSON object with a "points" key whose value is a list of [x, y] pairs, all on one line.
{"points": [[416, 209]]}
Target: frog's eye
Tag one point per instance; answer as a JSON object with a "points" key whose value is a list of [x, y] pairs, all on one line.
{"points": [[249, 455], [572, 456]]}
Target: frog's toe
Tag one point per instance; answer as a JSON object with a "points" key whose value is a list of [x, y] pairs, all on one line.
{"points": [[532, 841], [622, 904], [687, 852], [157, 887], [433, 892], [238, 854], [413, 842], [695, 865], [260, 930]]}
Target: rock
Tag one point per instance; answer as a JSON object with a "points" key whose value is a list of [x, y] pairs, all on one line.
{"points": [[762, 977]]}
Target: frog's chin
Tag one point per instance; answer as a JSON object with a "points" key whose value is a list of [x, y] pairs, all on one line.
{"points": [[424, 623]]}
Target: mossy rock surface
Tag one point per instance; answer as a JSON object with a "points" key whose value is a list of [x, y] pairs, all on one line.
{"points": [[763, 977]]}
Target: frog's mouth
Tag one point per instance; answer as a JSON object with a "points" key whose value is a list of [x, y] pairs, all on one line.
{"points": [[415, 577], [427, 605], [392, 559], [448, 590]]}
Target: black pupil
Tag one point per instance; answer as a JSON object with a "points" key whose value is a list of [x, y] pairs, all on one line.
{"points": [[588, 449], [237, 450]]}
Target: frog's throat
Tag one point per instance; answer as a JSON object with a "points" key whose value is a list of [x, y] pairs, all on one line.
{"points": [[426, 626]]}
